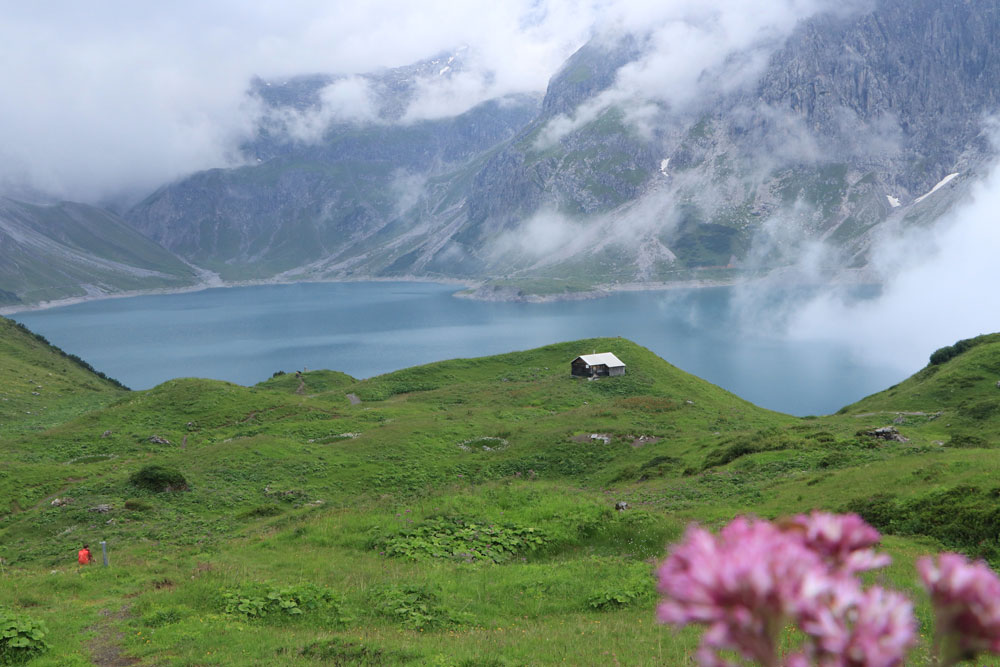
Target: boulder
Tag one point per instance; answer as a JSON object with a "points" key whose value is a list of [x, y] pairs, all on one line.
{"points": [[889, 433]]}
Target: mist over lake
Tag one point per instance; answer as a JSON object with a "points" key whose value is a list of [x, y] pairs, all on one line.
{"points": [[245, 334]]}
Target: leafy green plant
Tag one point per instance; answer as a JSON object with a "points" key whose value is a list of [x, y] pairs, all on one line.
{"points": [[458, 539], [631, 585], [255, 602], [619, 597], [415, 607], [157, 478], [21, 637]]}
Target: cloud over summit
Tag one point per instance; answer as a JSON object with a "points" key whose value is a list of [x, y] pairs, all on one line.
{"points": [[114, 99]]}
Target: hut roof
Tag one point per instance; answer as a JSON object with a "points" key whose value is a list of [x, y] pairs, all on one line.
{"points": [[602, 359]]}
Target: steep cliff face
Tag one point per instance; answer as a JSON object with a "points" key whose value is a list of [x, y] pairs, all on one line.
{"points": [[921, 73], [857, 121], [312, 201], [594, 169]]}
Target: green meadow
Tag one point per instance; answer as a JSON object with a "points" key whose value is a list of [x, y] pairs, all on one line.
{"points": [[458, 513]]}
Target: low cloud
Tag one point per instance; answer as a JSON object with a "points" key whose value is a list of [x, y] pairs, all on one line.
{"points": [[544, 238], [939, 286], [407, 189], [112, 100], [347, 100], [694, 51]]}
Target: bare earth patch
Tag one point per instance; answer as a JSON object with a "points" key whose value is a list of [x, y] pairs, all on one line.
{"points": [[105, 647]]}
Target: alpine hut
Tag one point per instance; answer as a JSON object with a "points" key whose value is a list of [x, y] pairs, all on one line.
{"points": [[593, 365]]}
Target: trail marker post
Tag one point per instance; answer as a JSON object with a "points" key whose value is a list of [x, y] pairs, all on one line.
{"points": [[104, 552]]}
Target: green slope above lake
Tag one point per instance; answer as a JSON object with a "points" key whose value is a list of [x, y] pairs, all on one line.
{"points": [[458, 513]]}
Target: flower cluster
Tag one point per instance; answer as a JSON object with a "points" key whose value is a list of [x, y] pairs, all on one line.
{"points": [[966, 598], [755, 578]]}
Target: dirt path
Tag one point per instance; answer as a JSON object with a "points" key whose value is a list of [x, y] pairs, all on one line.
{"points": [[894, 412], [105, 647], [353, 399]]}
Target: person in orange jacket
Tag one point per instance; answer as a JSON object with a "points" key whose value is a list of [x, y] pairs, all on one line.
{"points": [[83, 557]]}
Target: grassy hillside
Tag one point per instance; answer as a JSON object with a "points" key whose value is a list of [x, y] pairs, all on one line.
{"points": [[458, 513], [41, 386], [68, 249]]}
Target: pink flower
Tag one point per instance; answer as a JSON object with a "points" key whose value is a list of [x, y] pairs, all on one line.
{"points": [[844, 541], [966, 599], [872, 628], [744, 584], [755, 577]]}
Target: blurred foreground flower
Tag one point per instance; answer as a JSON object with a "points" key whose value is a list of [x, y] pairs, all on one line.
{"points": [[757, 577], [966, 598]]}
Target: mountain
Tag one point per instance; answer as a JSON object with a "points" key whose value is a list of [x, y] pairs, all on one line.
{"points": [[56, 251], [862, 123], [356, 194], [858, 123], [451, 513]]}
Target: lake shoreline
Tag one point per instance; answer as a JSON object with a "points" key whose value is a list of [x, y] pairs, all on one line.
{"points": [[472, 290]]}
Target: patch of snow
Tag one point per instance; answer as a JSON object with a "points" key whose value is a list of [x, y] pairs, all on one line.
{"points": [[444, 69], [893, 201], [451, 59], [664, 163], [944, 181]]}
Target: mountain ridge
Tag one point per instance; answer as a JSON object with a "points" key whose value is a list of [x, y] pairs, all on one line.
{"points": [[855, 129]]}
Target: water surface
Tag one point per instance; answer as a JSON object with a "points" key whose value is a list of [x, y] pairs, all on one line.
{"points": [[244, 334]]}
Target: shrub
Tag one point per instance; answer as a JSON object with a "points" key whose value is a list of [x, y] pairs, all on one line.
{"points": [[157, 478], [261, 511], [21, 637], [880, 510], [761, 441], [964, 517], [658, 466], [949, 352], [137, 505], [979, 410], [962, 441]]}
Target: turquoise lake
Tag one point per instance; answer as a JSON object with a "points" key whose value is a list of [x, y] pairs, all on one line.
{"points": [[244, 334]]}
